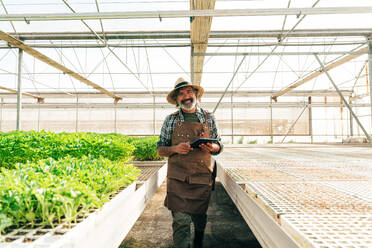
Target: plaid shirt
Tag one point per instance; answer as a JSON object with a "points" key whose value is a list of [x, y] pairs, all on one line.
{"points": [[165, 138]]}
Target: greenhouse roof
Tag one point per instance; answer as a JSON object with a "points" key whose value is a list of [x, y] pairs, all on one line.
{"points": [[111, 46]]}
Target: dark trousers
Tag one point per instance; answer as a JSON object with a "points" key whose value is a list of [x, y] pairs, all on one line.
{"points": [[181, 227]]}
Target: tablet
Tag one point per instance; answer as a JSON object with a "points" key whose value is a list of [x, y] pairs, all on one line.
{"points": [[196, 143]]}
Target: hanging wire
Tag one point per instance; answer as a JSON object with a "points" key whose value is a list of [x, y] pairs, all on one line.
{"points": [[24, 66], [135, 60], [108, 69], [6, 11], [218, 48], [174, 60], [38, 82], [360, 73], [111, 50], [60, 53], [218, 103], [149, 68], [276, 71], [272, 51], [101, 23], [77, 59], [285, 17]]}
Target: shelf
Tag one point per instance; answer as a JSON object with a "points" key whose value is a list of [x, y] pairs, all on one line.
{"points": [[267, 231], [104, 228], [292, 200]]}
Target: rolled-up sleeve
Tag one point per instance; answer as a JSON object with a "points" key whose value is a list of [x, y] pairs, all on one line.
{"points": [[214, 132]]}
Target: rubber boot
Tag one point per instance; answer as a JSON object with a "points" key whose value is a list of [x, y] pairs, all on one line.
{"points": [[198, 239]]}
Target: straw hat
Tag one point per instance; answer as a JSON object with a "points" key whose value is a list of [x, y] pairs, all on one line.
{"points": [[180, 83]]}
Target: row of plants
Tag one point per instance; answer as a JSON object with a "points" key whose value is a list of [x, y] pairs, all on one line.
{"points": [[49, 178], [53, 191], [145, 148], [20, 147]]}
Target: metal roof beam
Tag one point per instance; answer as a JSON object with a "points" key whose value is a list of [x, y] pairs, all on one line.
{"points": [[39, 99], [356, 53], [186, 34], [184, 44], [325, 70], [122, 105], [17, 43], [281, 39], [320, 71], [186, 13], [207, 94]]}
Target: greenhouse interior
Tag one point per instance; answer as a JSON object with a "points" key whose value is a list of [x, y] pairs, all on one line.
{"points": [[83, 99]]}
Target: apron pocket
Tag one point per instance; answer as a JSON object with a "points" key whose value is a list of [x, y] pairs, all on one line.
{"points": [[204, 179], [188, 191]]}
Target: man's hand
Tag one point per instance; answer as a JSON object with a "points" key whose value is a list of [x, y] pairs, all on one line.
{"points": [[183, 148], [210, 147]]}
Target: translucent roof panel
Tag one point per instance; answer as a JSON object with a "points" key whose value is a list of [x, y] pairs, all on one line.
{"points": [[25, 7], [275, 50]]}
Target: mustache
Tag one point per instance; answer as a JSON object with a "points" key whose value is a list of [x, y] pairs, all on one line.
{"points": [[191, 99]]}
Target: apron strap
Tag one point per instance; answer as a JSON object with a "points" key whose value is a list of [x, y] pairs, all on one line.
{"points": [[178, 119], [206, 117]]}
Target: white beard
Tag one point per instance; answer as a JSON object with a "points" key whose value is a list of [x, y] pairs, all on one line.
{"points": [[188, 106]]}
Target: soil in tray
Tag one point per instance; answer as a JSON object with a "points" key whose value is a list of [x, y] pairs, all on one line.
{"points": [[59, 233], [309, 197], [38, 233], [28, 240], [325, 174], [7, 239], [253, 174], [10, 229]]}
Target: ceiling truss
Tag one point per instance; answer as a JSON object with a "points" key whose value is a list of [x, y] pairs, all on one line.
{"points": [[200, 14], [207, 94], [200, 28], [320, 71], [39, 99], [187, 14], [17, 43], [135, 35]]}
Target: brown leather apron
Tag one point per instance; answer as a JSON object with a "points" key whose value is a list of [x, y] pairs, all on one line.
{"points": [[189, 178]]}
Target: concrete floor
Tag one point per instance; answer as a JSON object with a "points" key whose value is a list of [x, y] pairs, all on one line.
{"points": [[225, 228]]}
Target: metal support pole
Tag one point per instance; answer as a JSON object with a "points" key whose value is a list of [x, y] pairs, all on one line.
{"points": [[192, 64], [232, 117], [271, 122], [19, 89], [294, 123], [351, 122], [342, 118], [38, 117], [154, 116], [77, 113], [370, 71], [1, 113], [310, 120], [115, 121], [343, 99]]}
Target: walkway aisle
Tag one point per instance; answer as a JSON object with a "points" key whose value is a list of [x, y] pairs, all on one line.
{"points": [[225, 229]]}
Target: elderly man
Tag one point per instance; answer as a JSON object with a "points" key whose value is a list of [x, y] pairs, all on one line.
{"points": [[190, 170]]}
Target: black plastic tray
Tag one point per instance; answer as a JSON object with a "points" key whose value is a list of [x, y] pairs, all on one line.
{"points": [[196, 143]]}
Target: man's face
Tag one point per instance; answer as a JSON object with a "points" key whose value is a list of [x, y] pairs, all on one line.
{"points": [[186, 98]]}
